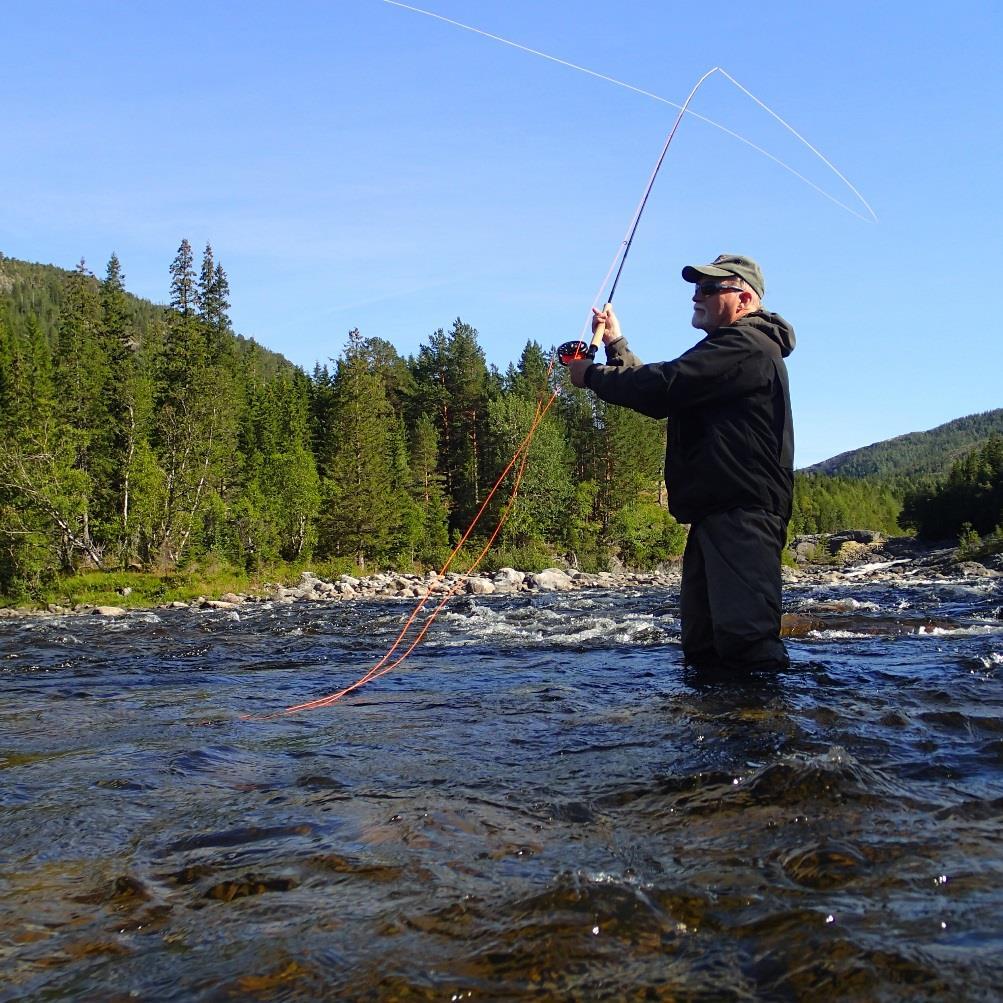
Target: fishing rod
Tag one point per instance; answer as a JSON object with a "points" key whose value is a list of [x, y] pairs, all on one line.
{"points": [[569, 351], [566, 353]]}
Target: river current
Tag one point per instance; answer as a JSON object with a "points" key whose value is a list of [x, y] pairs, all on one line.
{"points": [[540, 803]]}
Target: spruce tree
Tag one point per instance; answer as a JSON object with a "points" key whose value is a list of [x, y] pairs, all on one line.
{"points": [[427, 491], [184, 292], [197, 412], [213, 300], [129, 474], [364, 495], [454, 386]]}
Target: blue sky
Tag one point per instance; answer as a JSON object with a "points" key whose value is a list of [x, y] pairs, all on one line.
{"points": [[357, 165]]}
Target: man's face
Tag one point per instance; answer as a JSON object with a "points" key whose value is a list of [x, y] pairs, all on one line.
{"points": [[717, 303]]}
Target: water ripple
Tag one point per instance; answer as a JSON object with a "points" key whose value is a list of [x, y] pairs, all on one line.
{"points": [[540, 803]]}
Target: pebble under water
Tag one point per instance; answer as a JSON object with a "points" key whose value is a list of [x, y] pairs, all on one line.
{"points": [[540, 803]]}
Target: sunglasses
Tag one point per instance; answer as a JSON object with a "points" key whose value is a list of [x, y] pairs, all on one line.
{"points": [[712, 288]]}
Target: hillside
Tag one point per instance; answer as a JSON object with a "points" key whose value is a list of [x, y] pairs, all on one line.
{"points": [[37, 290], [916, 454]]}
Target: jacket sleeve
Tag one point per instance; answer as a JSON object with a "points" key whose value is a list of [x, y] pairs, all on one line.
{"points": [[723, 366], [618, 353]]}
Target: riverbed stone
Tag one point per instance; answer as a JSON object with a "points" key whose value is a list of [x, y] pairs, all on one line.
{"points": [[550, 580], [107, 611], [508, 577], [974, 569], [480, 586]]}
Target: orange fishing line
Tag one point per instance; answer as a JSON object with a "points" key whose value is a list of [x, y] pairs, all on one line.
{"points": [[381, 667], [522, 452]]}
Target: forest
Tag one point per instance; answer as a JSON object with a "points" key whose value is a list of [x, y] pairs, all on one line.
{"points": [[137, 436]]}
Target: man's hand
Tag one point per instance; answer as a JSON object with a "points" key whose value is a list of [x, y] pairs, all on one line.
{"points": [[611, 326], [577, 370]]}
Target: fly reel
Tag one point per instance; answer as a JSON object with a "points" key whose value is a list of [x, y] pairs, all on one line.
{"points": [[571, 351]]}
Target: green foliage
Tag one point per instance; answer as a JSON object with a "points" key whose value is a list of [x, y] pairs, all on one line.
{"points": [[825, 504], [366, 511], [432, 546], [969, 542], [532, 556], [454, 387], [539, 511], [646, 535], [133, 435], [971, 495]]}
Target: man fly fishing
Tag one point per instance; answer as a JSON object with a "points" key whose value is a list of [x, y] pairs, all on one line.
{"points": [[729, 460]]}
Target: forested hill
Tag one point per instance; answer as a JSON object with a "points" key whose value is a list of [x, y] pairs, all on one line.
{"points": [[918, 453], [134, 435], [35, 290]]}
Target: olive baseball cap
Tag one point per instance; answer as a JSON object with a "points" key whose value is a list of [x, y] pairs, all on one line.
{"points": [[723, 266]]}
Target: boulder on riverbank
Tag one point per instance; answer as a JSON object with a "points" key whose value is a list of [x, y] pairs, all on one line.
{"points": [[386, 585]]}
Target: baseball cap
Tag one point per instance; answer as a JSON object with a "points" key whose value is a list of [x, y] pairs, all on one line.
{"points": [[728, 264]]}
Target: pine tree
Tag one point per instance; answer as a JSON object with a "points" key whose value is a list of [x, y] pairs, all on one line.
{"points": [[398, 382]]}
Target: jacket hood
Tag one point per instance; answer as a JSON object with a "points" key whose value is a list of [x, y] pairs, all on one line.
{"points": [[773, 326]]}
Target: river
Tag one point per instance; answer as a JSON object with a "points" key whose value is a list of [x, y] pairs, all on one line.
{"points": [[540, 803]]}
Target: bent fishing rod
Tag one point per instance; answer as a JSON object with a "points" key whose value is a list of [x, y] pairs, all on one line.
{"points": [[570, 351]]}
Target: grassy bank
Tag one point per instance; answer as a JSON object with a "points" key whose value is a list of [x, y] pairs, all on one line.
{"points": [[143, 589]]}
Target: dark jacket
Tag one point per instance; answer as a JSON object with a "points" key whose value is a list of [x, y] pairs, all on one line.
{"points": [[731, 438]]}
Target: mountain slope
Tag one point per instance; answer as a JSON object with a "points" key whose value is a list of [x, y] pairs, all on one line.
{"points": [[915, 454]]}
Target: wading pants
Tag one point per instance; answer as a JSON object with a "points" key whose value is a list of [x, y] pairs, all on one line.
{"points": [[730, 595]]}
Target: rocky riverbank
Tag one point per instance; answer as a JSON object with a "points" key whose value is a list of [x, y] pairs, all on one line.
{"points": [[841, 557], [856, 554]]}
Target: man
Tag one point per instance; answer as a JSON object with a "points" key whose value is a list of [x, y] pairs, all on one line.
{"points": [[729, 462]]}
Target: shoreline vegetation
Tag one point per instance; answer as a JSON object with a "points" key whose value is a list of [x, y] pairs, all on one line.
{"points": [[155, 438], [856, 555]]}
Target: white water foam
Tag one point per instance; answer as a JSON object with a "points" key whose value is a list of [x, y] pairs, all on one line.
{"points": [[974, 631], [836, 635]]}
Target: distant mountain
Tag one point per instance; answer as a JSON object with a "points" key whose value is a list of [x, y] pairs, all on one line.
{"points": [[27, 288], [917, 454]]}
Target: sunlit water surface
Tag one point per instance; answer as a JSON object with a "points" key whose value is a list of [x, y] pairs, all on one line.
{"points": [[540, 803]]}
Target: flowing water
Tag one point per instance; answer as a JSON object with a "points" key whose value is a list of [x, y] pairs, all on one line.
{"points": [[541, 803]]}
